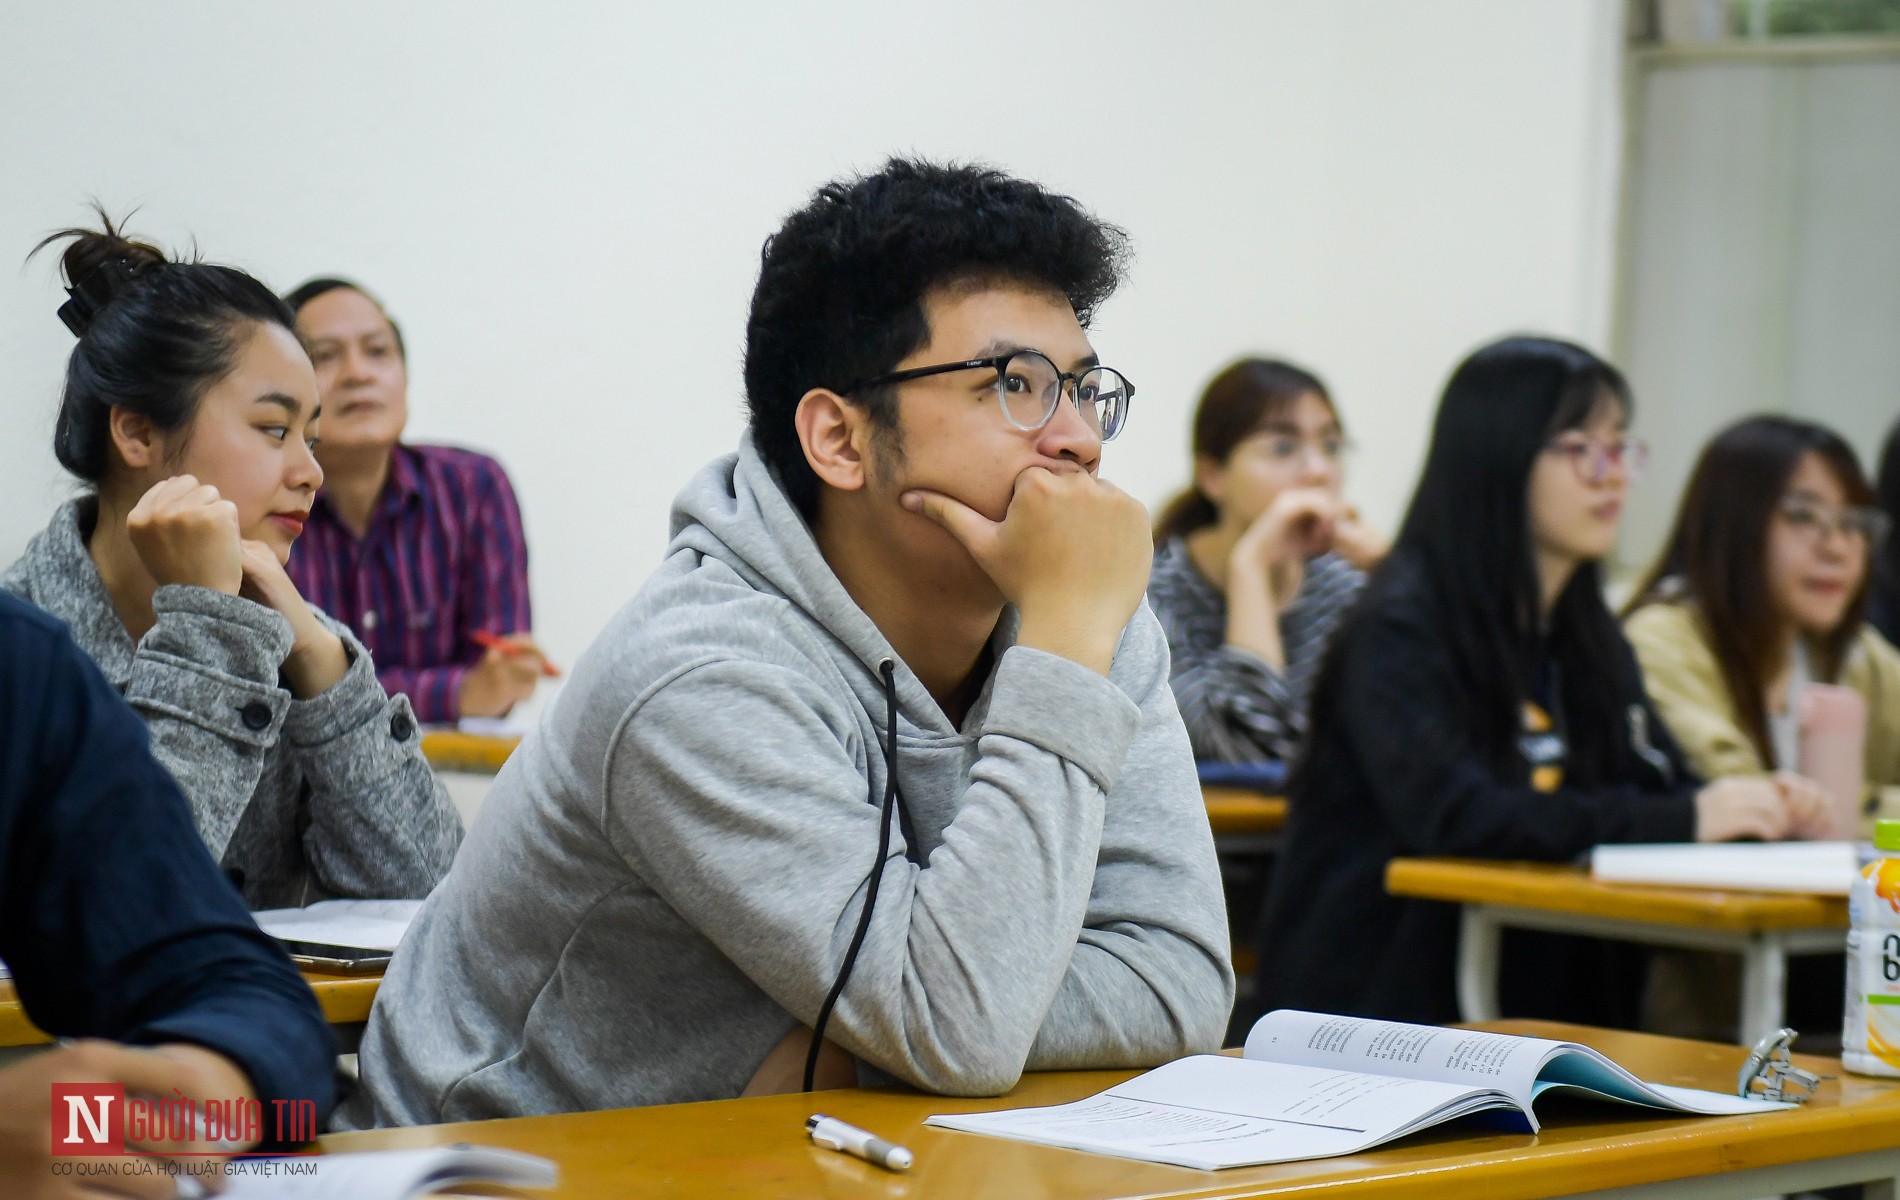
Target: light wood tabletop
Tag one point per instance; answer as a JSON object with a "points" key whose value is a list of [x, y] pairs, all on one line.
{"points": [[1236, 812], [1563, 888], [476, 753], [345, 1000], [758, 1147]]}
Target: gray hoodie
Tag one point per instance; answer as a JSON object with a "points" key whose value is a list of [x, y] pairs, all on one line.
{"points": [[299, 800], [666, 875]]}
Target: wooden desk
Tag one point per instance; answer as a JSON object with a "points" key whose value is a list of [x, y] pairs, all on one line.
{"points": [[345, 1000], [758, 1147], [1763, 927], [1237, 812], [478, 754]]}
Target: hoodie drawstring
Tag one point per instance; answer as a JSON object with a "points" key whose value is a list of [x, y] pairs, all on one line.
{"points": [[887, 671]]}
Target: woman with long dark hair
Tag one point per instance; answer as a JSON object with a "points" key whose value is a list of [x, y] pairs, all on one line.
{"points": [[1760, 590], [1480, 701], [1257, 561], [190, 414]]}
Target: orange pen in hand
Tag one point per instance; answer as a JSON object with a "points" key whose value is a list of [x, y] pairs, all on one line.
{"points": [[490, 641]]}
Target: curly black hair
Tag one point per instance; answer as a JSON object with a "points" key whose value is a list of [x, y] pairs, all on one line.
{"points": [[842, 284]]}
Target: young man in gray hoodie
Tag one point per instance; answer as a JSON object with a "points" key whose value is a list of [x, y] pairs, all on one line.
{"points": [[674, 868]]}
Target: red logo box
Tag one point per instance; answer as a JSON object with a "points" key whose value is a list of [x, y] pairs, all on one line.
{"points": [[88, 1119]]}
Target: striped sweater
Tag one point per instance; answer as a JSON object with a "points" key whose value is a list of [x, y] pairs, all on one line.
{"points": [[1237, 708]]}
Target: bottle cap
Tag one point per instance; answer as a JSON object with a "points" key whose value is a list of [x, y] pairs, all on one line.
{"points": [[1887, 835]]}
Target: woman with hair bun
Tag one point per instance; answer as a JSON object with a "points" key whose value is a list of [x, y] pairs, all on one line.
{"points": [[190, 414], [1257, 561]]}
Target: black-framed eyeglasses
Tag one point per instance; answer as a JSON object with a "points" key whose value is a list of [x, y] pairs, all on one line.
{"points": [[1029, 388]]}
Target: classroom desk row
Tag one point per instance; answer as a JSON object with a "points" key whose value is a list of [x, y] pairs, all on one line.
{"points": [[1849, 1133], [1764, 928]]}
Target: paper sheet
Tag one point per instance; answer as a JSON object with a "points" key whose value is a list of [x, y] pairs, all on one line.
{"points": [[1819, 868], [368, 924]]}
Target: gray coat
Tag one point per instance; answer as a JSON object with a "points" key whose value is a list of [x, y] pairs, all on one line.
{"points": [[299, 799]]}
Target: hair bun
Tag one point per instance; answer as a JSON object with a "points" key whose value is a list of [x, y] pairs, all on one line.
{"points": [[99, 266]]}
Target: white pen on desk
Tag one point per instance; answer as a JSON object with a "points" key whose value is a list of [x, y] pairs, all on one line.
{"points": [[833, 1134]]}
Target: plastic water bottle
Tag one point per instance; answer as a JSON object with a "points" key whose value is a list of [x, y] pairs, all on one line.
{"points": [[1870, 1043]]}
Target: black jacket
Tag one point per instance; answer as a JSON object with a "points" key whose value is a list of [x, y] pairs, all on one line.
{"points": [[113, 918], [1392, 770]]}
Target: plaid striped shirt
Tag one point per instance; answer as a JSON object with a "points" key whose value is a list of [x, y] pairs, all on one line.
{"points": [[443, 556], [1236, 707]]}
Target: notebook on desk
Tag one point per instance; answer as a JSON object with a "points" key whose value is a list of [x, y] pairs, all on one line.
{"points": [[1313, 1086], [1817, 868]]}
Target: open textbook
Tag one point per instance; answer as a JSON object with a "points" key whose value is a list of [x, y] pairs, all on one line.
{"points": [[1312, 1086], [383, 1174]]}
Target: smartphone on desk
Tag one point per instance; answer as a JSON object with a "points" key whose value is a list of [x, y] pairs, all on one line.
{"points": [[345, 960]]}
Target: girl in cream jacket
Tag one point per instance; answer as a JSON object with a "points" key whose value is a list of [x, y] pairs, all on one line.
{"points": [[1760, 591]]}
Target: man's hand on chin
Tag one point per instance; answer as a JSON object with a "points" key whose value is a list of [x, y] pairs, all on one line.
{"points": [[1072, 554]]}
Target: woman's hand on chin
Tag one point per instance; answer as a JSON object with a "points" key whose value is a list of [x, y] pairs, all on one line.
{"points": [[186, 533], [1358, 543], [1298, 525], [317, 657]]}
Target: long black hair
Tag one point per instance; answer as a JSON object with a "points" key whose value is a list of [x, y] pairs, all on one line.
{"points": [[155, 333], [1467, 541]]}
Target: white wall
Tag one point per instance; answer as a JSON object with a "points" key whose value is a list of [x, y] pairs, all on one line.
{"points": [[563, 204], [1764, 259]]}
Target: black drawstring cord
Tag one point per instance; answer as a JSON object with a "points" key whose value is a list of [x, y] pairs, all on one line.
{"points": [[888, 671]]}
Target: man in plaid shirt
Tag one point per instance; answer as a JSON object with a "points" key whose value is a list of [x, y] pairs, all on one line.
{"points": [[419, 549]]}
